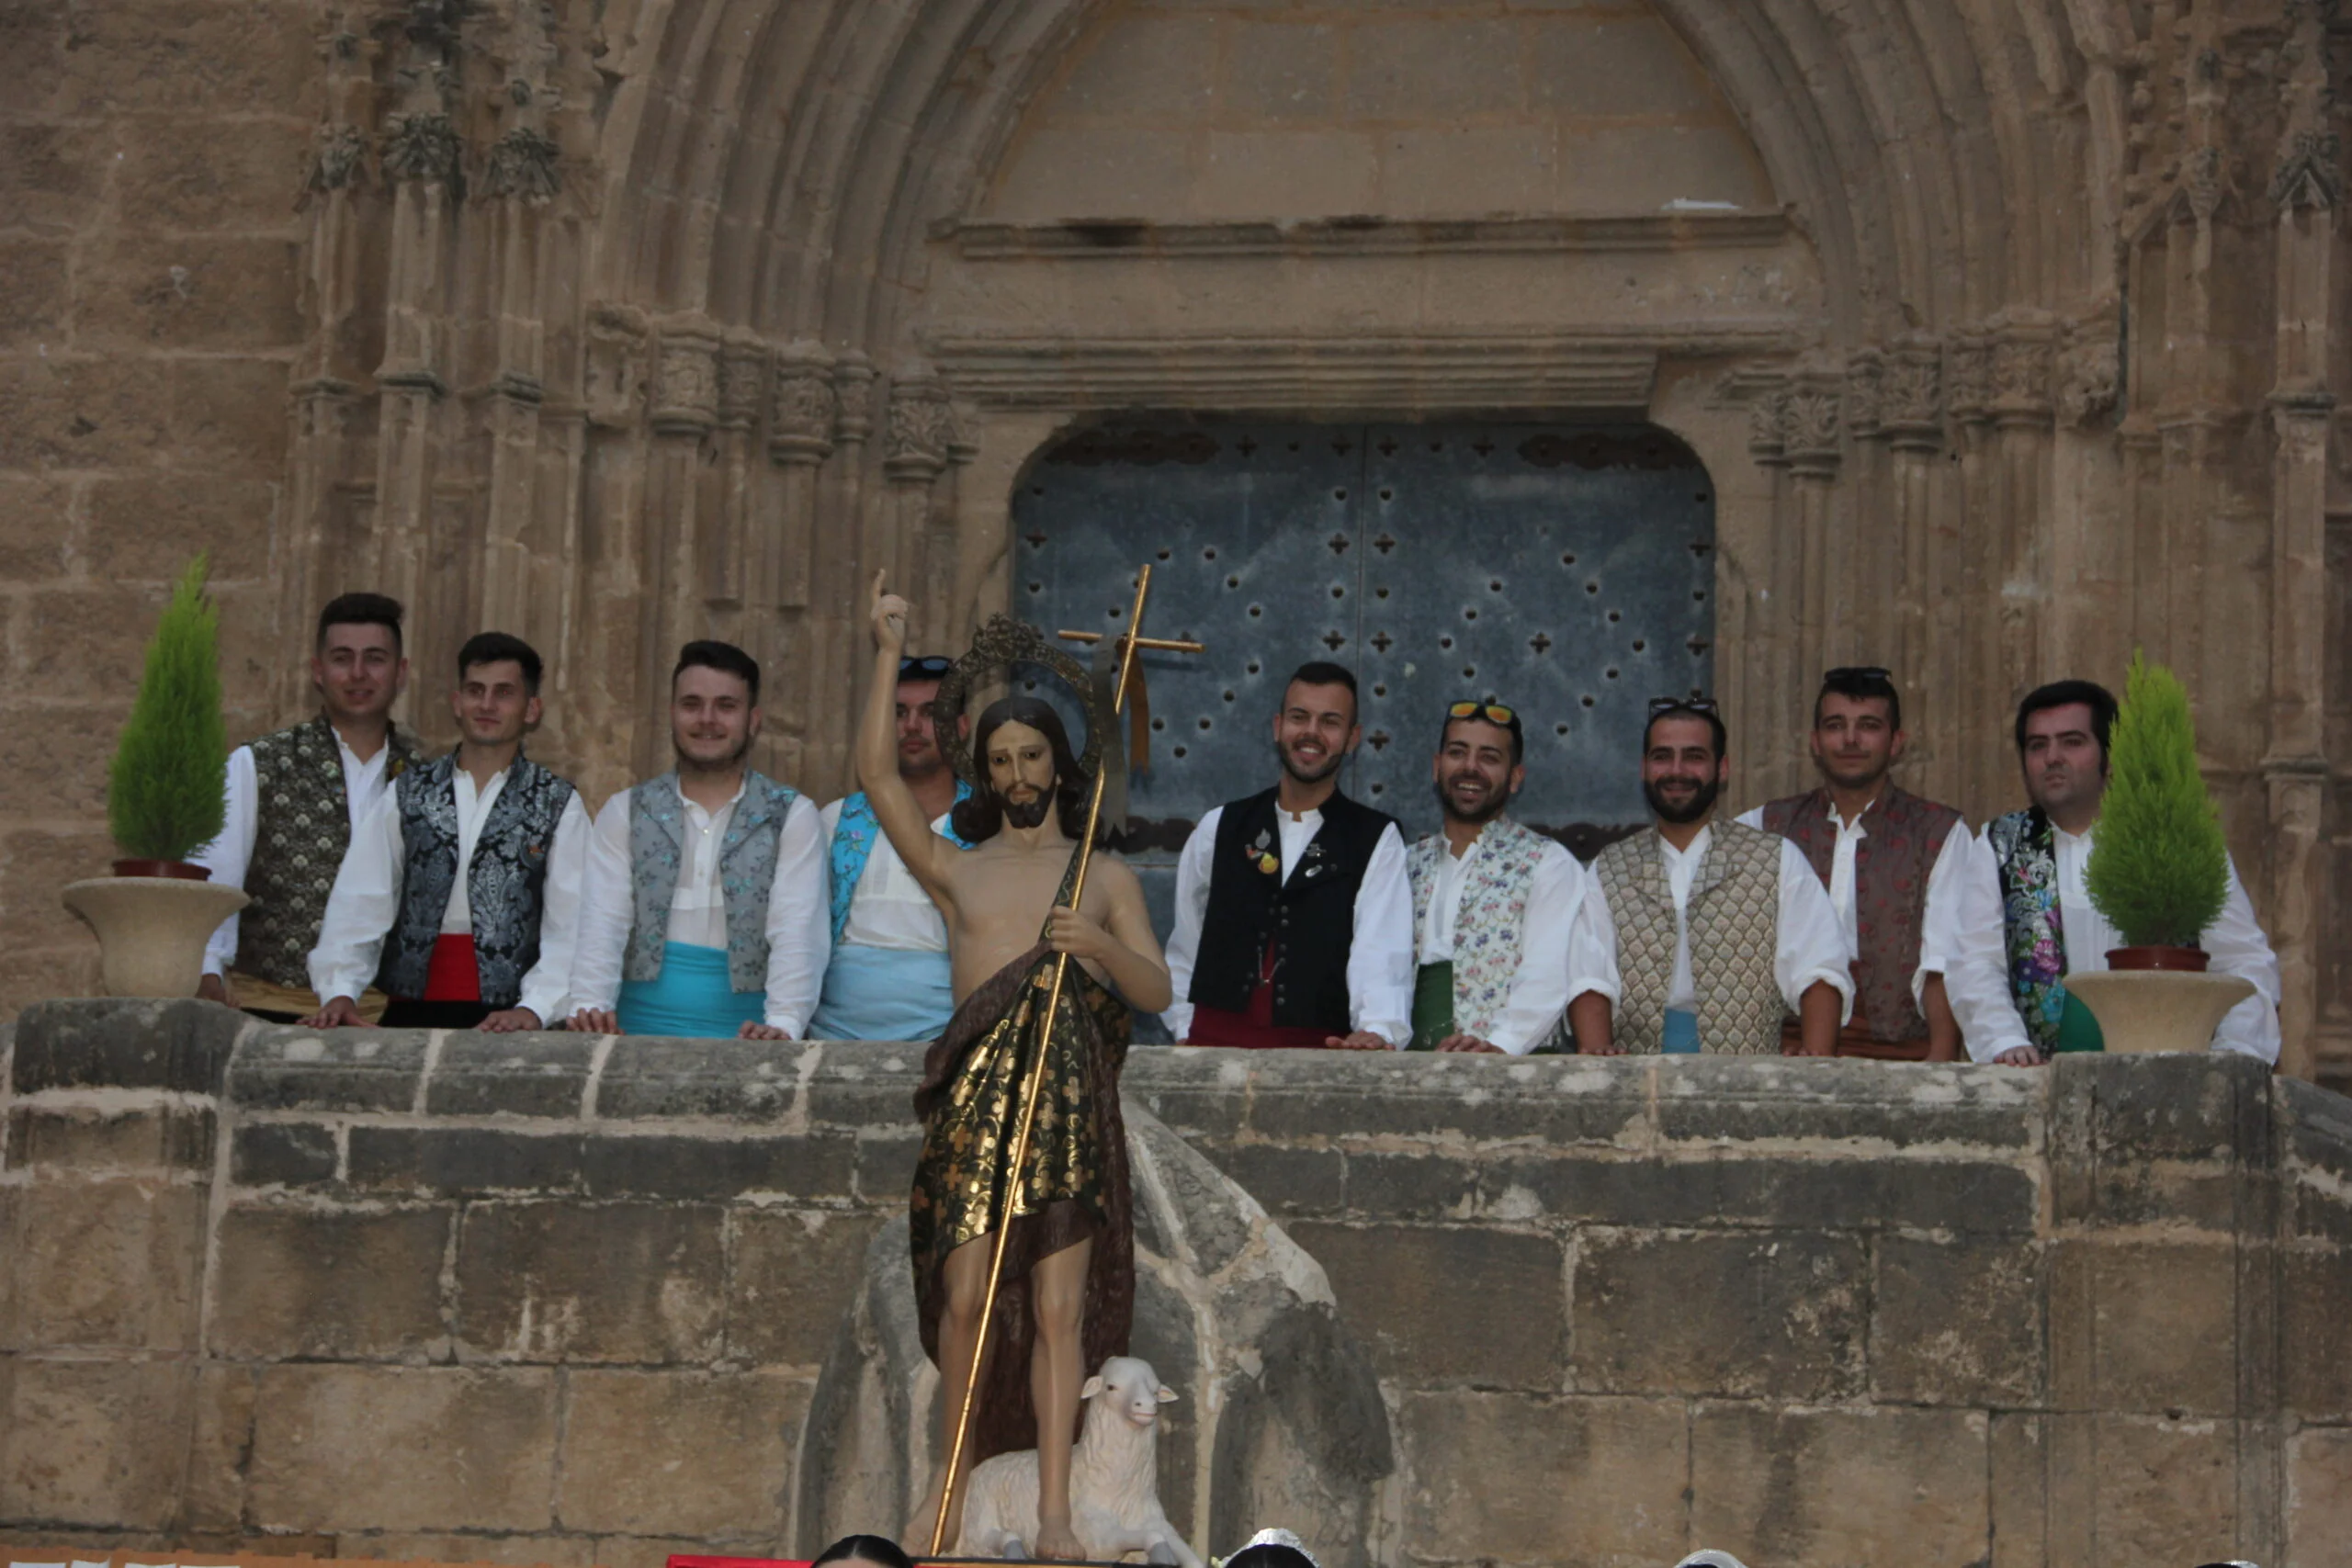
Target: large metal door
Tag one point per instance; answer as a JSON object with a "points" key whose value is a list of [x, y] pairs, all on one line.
{"points": [[1565, 570]]}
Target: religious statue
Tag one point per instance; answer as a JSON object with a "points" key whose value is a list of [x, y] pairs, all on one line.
{"points": [[1021, 1211]]}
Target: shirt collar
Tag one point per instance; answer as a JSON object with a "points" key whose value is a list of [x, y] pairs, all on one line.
{"points": [[1698, 845]]}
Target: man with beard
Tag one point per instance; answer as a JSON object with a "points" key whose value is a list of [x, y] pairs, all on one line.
{"points": [[1893, 864], [293, 799], [1066, 1298], [1722, 930], [1294, 914], [2029, 921], [704, 914], [460, 891], [1496, 906], [887, 978]]}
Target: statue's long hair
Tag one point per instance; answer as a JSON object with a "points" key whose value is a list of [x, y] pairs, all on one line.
{"points": [[982, 815]]}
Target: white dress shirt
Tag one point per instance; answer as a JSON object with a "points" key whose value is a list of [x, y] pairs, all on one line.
{"points": [[366, 898], [231, 854], [1380, 957], [1566, 930], [888, 908], [800, 915], [1942, 920], [1808, 945], [1978, 982]]}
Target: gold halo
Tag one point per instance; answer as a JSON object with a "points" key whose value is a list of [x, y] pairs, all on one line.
{"points": [[999, 645]]}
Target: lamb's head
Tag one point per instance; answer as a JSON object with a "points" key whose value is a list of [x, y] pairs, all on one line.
{"points": [[1129, 1389]]}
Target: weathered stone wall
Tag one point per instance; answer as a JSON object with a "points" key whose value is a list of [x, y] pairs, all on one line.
{"points": [[544, 1298]]}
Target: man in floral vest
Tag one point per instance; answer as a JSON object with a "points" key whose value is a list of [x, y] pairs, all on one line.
{"points": [[1893, 864], [1496, 906], [703, 911]]}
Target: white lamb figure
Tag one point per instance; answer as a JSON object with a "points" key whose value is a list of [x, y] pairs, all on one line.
{"points": [[1113, 1479]]}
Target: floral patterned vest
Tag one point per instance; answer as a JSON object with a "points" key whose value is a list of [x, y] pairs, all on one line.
{"points": [[2025, 847], [1734, 923], [1492, 917], [505, 886], [746, 874], [302, 828]]}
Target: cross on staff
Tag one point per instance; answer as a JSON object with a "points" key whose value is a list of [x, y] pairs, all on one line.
{"points": [[1129, 644]]}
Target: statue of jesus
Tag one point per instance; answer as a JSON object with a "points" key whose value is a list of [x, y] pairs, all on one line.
{"points": [[1067, 1294]]}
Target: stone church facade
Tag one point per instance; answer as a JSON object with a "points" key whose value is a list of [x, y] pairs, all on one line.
{"points": [[2006, 332]]}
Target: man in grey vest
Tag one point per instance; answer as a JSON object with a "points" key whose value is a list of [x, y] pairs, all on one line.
{"points": [[462, 889], [294, 797], [705, 914]]}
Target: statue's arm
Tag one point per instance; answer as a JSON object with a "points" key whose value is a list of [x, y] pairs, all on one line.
{"points": [[895, 807], [1128, 950]]}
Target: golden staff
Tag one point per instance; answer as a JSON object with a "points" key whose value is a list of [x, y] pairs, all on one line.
{"points": [[1031, 1088]]}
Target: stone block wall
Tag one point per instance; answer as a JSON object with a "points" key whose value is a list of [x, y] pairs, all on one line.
{"points": [[565, 1299]]}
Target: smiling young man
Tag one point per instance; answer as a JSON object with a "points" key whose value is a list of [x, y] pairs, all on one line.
{"points": [[1892, 863], [1722, 930], [2030, 921], [1496, 906], [293, 799], [1294, 914], [704, 911], [460, 892]]}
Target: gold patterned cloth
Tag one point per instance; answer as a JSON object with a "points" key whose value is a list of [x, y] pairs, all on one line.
{"points": [[1735, 925], [1072, 1187]]}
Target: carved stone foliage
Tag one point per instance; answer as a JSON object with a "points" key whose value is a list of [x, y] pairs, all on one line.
{"points": [[2090, 372], [422, 146], [1912, 407], [852, 394], [1971, 375], [1813, 424], [742, 380], [2309, 173], [800, 425], [686, 394], [920, 429], [2022, 348], [1865, 392], [524, 164], [613, 384], [1768, 418], [338, 158]]}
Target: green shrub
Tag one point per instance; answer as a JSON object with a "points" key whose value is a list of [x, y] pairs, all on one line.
{"points": [[2159, 870], [171, 765]]}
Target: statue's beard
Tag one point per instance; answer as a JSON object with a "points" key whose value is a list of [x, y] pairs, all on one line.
{"points": [[1025, 813]]}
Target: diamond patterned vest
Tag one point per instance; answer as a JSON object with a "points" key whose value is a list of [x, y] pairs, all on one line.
{"points": [[302, 828], [1734, 921]]}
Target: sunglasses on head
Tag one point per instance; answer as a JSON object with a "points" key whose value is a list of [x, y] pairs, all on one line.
{"points": [[1681, 705], [930, 667], [1493, 712], [1856, 672]]}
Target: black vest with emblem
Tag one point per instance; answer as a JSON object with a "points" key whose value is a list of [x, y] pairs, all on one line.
{"points": [[302, 828], [505, 886], [1309, 917]]}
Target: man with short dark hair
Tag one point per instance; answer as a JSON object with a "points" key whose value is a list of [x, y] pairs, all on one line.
{"points": [[2030, 921], [460, 891], [704, 911], [293, 799], [1293, 915], [888, 976], [1496, 906], [1892, 863], [1722, 930]]}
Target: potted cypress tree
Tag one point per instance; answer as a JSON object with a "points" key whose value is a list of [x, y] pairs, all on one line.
{"points": [[2159, 872], [165, 797]]}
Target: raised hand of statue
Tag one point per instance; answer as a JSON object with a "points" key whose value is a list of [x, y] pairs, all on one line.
{"points": [[889, 615]]}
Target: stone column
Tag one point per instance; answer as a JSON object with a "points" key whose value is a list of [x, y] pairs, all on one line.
{"points": [[2090, 536], [800, 437], [839, 641], [1871, 558], [2021, 344], [520, 180], [914, 454], [1984, 706], [1812, 433], [731, 574], [1911, 419], [1769, 672], [685, 412]]}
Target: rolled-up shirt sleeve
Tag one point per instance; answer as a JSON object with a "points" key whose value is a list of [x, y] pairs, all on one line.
{"points": [[1192, 907], [228, 856], [1592, 945], [547, 989], [1812, 945], [607, 909], [800, 923], [1942, 916], [1380, 958], [1976, 963], [361, 906]]}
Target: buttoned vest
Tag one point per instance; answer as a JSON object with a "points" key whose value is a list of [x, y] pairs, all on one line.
{"points": [[1734, 918], [1491, 920], [505, 886], [1308, 918], [1903, 835], [302, 828], [657, 827]]}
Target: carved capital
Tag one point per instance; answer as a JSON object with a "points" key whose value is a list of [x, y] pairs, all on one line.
{"points": [[2023, 347], [852, 397], [920, 429], [685, 392], [338, 158], [422, 147], [1866, 393], [2090, 371], [613, 384], [800, 425], [742, 380], [523, 164], [1768, 418], [1912, 411], [1969, 374], [1813, 429]]}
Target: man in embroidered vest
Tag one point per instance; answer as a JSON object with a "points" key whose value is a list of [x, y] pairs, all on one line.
{"points": [[1294, 914], [2030, 921], [1496, 906], [1722, 930], [703, 911], [1893, 864], [293, 798], [1066, 1298], [887, 978], [460, 892]]}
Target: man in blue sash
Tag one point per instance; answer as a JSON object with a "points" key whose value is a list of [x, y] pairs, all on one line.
{"points": [[704, 913], [889, 977]]}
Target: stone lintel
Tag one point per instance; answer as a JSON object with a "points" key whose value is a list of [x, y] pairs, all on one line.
{"points": [[1129, 237]]}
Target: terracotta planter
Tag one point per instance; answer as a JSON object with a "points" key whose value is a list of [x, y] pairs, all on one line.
{"points": [[176, 868], [2172, 960], [2158, 1010], [152, 929]]}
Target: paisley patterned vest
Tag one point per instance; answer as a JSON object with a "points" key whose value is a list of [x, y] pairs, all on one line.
{"points": [[302, 828], [1902, 836], [1734, 923], [2033, 934], [1492, 917], [505, 886], [746, 874]]}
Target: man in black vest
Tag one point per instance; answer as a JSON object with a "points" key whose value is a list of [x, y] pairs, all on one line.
{"points": [[1293, 915]]}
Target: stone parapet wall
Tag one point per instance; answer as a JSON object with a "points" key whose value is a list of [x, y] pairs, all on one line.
{"points": [[566, 1299]]}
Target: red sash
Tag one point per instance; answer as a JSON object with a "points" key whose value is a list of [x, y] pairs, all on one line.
{"points": [[452, 976]]}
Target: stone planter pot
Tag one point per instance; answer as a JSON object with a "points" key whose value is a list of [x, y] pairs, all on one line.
{"points": [[2158, 1010], [152, 929]]}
